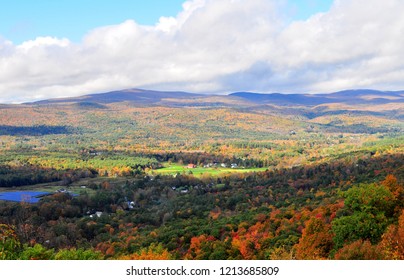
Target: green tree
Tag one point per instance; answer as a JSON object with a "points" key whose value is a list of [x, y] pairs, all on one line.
{"points": [[38, 252], [78, 254], [360, 225], [369, 198], [369, 209]]}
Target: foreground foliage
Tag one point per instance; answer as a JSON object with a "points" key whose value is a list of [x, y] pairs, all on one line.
{"points": [[319, 212]]}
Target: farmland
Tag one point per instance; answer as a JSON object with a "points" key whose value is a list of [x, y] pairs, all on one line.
{"points": [[173, 169]]}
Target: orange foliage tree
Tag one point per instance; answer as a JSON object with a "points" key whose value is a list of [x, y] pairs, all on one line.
{"points": [[358, 250], [248, 240], [392, 243], [316, 241], [396, 189]]}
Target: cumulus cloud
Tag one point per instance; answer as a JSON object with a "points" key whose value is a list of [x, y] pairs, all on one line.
{"points": [[217, 46]]}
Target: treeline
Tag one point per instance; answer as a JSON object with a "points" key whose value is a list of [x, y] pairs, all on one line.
{"points": [[254, 145], [27, 175], [31, 169], [109, 165], [356, 128]]}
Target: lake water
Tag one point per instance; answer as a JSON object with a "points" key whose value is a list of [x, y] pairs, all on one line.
{"points": [[26, 196]]}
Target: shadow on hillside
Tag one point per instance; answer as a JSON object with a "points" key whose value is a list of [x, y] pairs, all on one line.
{"points": [[34, 130]]}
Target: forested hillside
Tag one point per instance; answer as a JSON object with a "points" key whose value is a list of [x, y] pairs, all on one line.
{"points": [[180, 176]]}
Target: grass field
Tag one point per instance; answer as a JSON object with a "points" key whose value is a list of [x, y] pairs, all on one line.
{"points": [[172, 169], [72, 189]]}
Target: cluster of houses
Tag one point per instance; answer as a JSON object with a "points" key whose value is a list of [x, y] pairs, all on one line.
{"points": [[214, 164], [187, 189], [63, 190], [96, 214], [181, 190]]}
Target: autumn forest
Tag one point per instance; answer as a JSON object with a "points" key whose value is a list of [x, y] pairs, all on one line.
{"points": [[141, 174]]}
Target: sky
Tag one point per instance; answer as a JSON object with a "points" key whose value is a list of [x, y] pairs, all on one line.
{"points": [[63, 48]]}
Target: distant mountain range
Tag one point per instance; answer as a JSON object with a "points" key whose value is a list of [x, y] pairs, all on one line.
{"points": [[179, 98], [126, 95], [361, 96]]}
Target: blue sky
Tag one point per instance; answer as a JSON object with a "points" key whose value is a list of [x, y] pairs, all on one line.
{"points": [[303, 9], [51, 49], [22, 20], [26, 19]]}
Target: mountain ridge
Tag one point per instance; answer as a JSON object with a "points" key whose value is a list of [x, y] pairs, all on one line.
{"points": [[181, 98], [358, 96], [134, 95]]}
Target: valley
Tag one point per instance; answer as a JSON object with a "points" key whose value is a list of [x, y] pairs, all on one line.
{"points": [[175, 175]]}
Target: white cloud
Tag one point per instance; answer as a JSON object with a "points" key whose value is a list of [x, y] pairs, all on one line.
{"points": [[172, 24], [218, 46], [353, 45], [43, 42]]}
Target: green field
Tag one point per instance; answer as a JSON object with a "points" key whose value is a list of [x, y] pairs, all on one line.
{"points": [[73, 189], [172, 169]]}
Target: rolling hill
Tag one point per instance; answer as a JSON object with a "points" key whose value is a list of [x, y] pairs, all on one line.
{"points": [[143, 97]]}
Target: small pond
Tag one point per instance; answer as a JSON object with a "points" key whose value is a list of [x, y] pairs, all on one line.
{"points": [[23, 196]]}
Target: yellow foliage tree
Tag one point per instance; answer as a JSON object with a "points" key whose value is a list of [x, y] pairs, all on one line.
{"points": [[153, 252]]}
